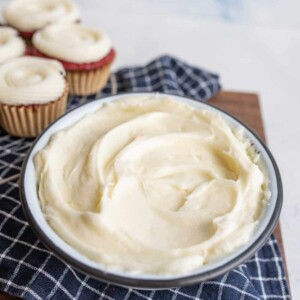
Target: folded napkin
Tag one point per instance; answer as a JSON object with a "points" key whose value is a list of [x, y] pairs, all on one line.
{"points": [[30, 271]]}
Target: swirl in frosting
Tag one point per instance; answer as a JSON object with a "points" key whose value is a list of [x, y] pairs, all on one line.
{"points": [[72, 43], [30, 80], [151, 185], [11, 45], [31, 15]]}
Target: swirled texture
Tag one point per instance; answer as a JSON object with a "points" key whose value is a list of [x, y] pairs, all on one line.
{"points": [[11, 45], [31, 15], [150, 185], [30, 80], [72, 43]]}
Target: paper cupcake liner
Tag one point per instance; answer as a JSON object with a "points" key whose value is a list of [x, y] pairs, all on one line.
{"points": [[84, 83], [31, 120]]}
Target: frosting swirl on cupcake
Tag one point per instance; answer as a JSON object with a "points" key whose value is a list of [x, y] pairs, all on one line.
{"points": [[31, 80], [72, 43], [31, 15], [11, 45]]}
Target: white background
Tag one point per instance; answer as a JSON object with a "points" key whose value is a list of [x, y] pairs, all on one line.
{"points": [[254, 45]]}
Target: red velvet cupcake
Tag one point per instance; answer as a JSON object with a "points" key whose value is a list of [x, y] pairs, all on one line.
{"points": [[33, 93], [86, 54], [28, 16]]}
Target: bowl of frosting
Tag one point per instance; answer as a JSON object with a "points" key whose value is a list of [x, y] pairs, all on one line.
{"points": [[150, 190]]}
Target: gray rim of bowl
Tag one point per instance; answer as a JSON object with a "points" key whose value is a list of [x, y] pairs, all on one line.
{"points": [[143, 283]]}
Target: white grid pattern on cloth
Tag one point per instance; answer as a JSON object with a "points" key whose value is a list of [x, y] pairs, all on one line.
{"points": [[28, 270], [10, 280]]}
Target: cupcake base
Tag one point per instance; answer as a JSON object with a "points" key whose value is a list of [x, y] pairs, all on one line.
{"points": [[31, 120], [87, 82]]}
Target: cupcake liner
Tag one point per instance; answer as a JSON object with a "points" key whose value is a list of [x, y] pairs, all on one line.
{"points": [[31, 120], [88, 82]]}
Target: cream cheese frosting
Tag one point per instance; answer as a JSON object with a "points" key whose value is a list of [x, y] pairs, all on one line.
{"points": [[73, 43], [30, 80], [150, 185], [31, 15], [11, 45]]}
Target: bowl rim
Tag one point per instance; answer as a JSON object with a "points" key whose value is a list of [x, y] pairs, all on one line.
{"points": [[161, 283]]}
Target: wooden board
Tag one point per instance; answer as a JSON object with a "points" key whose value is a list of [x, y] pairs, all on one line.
{"points": [[245, 107]]}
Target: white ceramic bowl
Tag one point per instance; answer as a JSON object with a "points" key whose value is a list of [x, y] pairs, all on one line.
{"points": [[51, 240]]}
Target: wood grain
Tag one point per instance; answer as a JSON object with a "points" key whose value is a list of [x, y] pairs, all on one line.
{"points": [[245, 107]]}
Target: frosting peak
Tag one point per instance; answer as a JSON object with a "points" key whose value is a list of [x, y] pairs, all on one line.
{"points": [[31, 15], [11, 45], [30, 80], [72, 43]]}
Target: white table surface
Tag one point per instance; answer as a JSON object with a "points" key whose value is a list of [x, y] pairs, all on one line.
{"points": [[253, 45]]}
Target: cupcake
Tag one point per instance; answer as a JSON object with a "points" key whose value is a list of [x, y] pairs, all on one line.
{"points": [[86, 54], [27, 16], [33, 93], [11, 45]]}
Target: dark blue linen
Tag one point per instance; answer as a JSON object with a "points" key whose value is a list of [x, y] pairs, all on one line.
{"points": [[30, 271]]}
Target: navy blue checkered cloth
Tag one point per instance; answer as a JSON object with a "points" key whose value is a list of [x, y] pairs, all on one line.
{"points": [[30, 271]]}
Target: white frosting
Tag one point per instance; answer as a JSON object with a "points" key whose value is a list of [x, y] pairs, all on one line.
{"points": [[150, 185], [73, 43], [31, 15], [11, 45], [30, 80]]}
